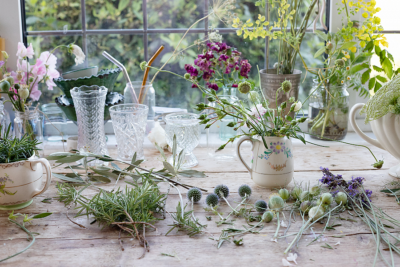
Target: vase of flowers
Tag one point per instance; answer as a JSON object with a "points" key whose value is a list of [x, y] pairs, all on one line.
{"points": [[288, 14], [22, 85]]}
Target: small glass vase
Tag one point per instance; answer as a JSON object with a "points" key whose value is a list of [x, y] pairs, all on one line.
{"points": [[89, 102], [4, 118], [129, 122], [219, 134], [30, 122], [328, 112], [149, 96], [185, 126]]}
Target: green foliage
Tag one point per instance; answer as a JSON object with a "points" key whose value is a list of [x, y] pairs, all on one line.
{"points": [[185, 221], [15, 149]]}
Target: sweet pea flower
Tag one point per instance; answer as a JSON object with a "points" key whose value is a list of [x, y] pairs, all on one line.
{"points": [[35, 93], [25, 52], [77, 51], [1, 63], [51, 74], [39, 69], [48, 59], [258, 111]]}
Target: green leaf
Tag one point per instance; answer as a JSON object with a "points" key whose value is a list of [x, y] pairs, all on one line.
{"points": [[376, 68], [289, 118], [388, 67], [169, 167], [322, 35], [371, 83], [70, 159], [378, 50], [369, 46], [123, 4], [347, 45], [381, 78], [362, 57], [365, 76], [106, 174], [192, 173], [115, 166], [55, 157], [68, 179], [358, 68], [301, 138], [100, 179], [390, 56], [319, 52], [378, 86], [42, 215]]}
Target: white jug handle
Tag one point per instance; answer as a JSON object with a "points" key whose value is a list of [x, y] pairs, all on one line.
{"points": [[47, 167], [239, 143], [357, 129]]}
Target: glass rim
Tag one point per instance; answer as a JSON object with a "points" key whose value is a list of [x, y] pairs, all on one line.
{"points": [[139, 84], [140, 108], [94, 90], [194, 115]]}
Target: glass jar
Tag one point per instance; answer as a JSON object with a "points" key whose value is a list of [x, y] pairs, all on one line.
{"points": [[53, 122], [148, 98], [4, 117], [328, 112], [219, 133], [30, 122], [229, 91]]}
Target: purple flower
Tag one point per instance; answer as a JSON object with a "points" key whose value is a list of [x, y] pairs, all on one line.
{"points": [[207, 75], [191, 70], [218, 47], [277, 147], [1, 63], [194, 86], [245, 68], [213, 86], [234, 85], [223, 57]]}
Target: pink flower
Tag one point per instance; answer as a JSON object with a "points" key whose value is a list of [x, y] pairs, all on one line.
{"points": [[35, 93], [23, 66], [48, 59], [25, 52], [1, 63], [258, 111], [39, 70], [51, 74]]}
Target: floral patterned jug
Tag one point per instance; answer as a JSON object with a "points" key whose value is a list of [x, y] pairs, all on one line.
{"points": [[272, 167]]}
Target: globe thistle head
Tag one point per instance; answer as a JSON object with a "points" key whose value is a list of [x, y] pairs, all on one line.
{"points": [[244, 87], [284, 194], [212, 200], [260, 205], [244, 191], [276, 203], [143, 65], [286, 86], [340, 63], [267, 216], [221, 191], [194, 194]]}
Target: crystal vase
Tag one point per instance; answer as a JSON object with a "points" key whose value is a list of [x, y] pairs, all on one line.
{"points": [[89, 104], [30, 122]]}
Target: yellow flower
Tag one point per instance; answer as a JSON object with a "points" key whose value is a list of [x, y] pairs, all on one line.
{"points": [[348, 68], [347, 56], [350, 4], [373, 2], [353, 49], [378, 9], [377, 20], [365, 15], [239, 32], [237, 20], [370, 8], [345, 59], [384, 43], [362, 44]]}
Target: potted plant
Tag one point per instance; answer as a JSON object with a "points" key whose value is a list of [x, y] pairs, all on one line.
{"points": [[288, 14], [20, 171], [383, 113], [347, 65]]}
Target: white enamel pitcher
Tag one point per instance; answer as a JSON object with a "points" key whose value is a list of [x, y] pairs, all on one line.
{"points": [[272, 167], [387, 132]]}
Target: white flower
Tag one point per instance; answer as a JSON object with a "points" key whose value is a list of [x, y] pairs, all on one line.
{"points": [[258, 111], [283, 224], [157, 135], [215, 37], [77, 51], [298, 106], [292, 257], [286, 263]]}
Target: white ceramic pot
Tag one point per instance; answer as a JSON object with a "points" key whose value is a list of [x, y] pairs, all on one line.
{"points": [[21, 182], [387, 132], [272, 167]]}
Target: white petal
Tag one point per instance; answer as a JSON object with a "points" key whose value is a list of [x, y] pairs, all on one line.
{"points": [[338, 243], [274, 240], [286, 263], [283, 224], [292, 257]]}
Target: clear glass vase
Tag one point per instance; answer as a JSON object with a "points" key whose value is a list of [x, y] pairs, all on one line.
{"points": [[328, 112], [219, 133], [185, 126], [129, 122], [148, 98], [4, 117], [30, 122], [89, 102]]}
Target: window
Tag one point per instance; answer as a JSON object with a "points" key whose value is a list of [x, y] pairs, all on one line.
{"points": [[132, 30]]}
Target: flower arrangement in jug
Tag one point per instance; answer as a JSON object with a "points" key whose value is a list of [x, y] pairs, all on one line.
{"points": [[22, 84], [219, 66]]}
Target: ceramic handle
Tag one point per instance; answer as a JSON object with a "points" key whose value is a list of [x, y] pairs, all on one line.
{"points": [[357, 129], [239, 143], [46, 165]]}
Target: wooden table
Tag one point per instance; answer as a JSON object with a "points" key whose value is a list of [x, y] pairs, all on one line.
{"points": [[62, 243]]}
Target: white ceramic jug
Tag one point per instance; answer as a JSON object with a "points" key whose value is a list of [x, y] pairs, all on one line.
{"points": [[387, 132], [272, 167], [21, 181]]}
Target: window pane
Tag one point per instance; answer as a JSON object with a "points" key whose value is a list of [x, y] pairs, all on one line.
{"points": [[172, 91], [388, 14], [65, 61], [114, 14], [310, 45], [44, 15], [175, 13], [127, 49]]}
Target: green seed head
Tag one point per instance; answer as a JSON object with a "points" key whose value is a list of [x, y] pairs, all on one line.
{"points": [[244, 87], [212, 200], [287, 86], [284, 193], [267, 216], [244, 191], [326, 199], [187, 76], [305, 206], [341, 198], [143, 65], [315, 190], [261, 205], [296, 192], [10, 80], [315, 213], [194, 194], [221, 190], [276, 203], [5, 86], [305, 195]]}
